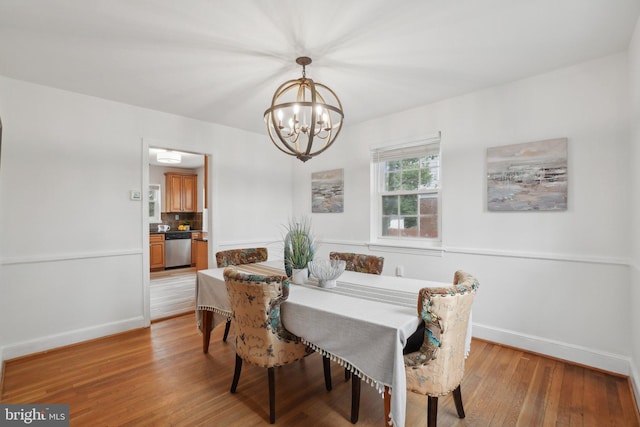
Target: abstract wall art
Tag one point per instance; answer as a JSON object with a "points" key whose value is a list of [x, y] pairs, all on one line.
{"points": [[528, 177], [327, 191]]}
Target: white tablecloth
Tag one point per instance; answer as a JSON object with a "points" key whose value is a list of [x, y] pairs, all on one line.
{"points": [[363, 323], [211, 295]]}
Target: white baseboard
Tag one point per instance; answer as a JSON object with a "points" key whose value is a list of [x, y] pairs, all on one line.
{"points": [[72, 337], [1, 368], [605, 361], [635, 383]]}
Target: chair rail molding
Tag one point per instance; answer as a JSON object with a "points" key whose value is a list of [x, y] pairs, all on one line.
{"points": [[232, 244], [69, 256], [416, 249], [384, 247], [547, 256]]}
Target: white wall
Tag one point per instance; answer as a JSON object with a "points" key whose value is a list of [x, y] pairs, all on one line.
{"points": [[552, 282], [634, 301], [73, 247]]}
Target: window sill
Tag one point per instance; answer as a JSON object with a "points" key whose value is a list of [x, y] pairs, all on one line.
{"points": [[401, 246]]}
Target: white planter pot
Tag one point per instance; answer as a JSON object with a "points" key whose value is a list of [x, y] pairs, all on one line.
{"points": [[299, 277]]}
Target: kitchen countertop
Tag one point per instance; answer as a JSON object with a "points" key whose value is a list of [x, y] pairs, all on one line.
{"points": [[174, 231]]}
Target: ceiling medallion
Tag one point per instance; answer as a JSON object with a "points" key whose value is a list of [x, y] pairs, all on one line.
{"points": [[304, 113]]}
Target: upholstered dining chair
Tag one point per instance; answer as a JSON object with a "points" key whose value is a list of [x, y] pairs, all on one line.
{"points": [[239, 257], [360, 263], [261, 339], [437, 367]]}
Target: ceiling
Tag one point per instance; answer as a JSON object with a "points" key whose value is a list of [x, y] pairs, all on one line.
{"points": [[220, 61]]}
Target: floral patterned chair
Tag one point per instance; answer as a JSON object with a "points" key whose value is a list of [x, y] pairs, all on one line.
{"points": [[359, 262], [239, 257], [437, 367], [261, 338]]}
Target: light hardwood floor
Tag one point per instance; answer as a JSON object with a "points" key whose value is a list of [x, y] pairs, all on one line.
{"points": [[172, 292], [160, 377]]}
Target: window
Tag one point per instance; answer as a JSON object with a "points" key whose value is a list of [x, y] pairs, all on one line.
{"points": [[154, 204], [407, 191]]}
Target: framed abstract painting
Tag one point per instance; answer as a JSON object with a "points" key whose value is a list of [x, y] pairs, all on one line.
{"points": [[528, 177], [327, 191]]}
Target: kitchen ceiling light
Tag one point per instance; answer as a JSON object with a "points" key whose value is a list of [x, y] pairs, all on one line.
{"points": [[169, 157], [301, 111]]}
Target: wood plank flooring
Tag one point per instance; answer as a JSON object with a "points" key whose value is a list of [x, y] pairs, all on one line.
{"points": [[160, 377], [172, 292]]}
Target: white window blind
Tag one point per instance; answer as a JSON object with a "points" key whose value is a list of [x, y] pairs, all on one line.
{"points": [[389, 154]]}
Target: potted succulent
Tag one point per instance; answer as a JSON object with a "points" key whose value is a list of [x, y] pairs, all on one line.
{"points": [[299, 248]]}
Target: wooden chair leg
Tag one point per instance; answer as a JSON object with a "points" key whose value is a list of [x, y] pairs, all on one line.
{"points": [[272, 395], [326, 364], [355, 398], [432, 411], [226, 330], [206, 329], [236, 374], [457, 398], [387, 406]]}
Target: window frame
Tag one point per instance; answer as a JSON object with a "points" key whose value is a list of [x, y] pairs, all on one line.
{"points": [[377, 162]]}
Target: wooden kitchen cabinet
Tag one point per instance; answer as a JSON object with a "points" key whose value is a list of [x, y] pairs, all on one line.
{"points": [[199, 251], [181, 192], [202, 255], [194, 250], [156, 252]]}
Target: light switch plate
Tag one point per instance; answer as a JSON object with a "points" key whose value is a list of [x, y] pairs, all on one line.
{"points": [[135, 195]]}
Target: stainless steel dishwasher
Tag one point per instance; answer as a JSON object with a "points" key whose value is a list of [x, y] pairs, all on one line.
{"points": [[177, 249]]}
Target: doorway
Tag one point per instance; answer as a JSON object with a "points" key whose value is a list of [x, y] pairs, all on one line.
{"points": [[177, 213]]}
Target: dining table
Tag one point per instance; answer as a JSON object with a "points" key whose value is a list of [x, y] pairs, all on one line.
{"points": [[362, 323]]}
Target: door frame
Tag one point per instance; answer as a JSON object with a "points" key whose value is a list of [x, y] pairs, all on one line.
{"points": [[146, 274]]}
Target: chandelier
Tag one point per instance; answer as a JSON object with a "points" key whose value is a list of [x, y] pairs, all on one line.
{"points": [[303, 113]]}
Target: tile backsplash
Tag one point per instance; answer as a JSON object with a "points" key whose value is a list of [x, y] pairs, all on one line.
{"points": [[193, 218]]}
